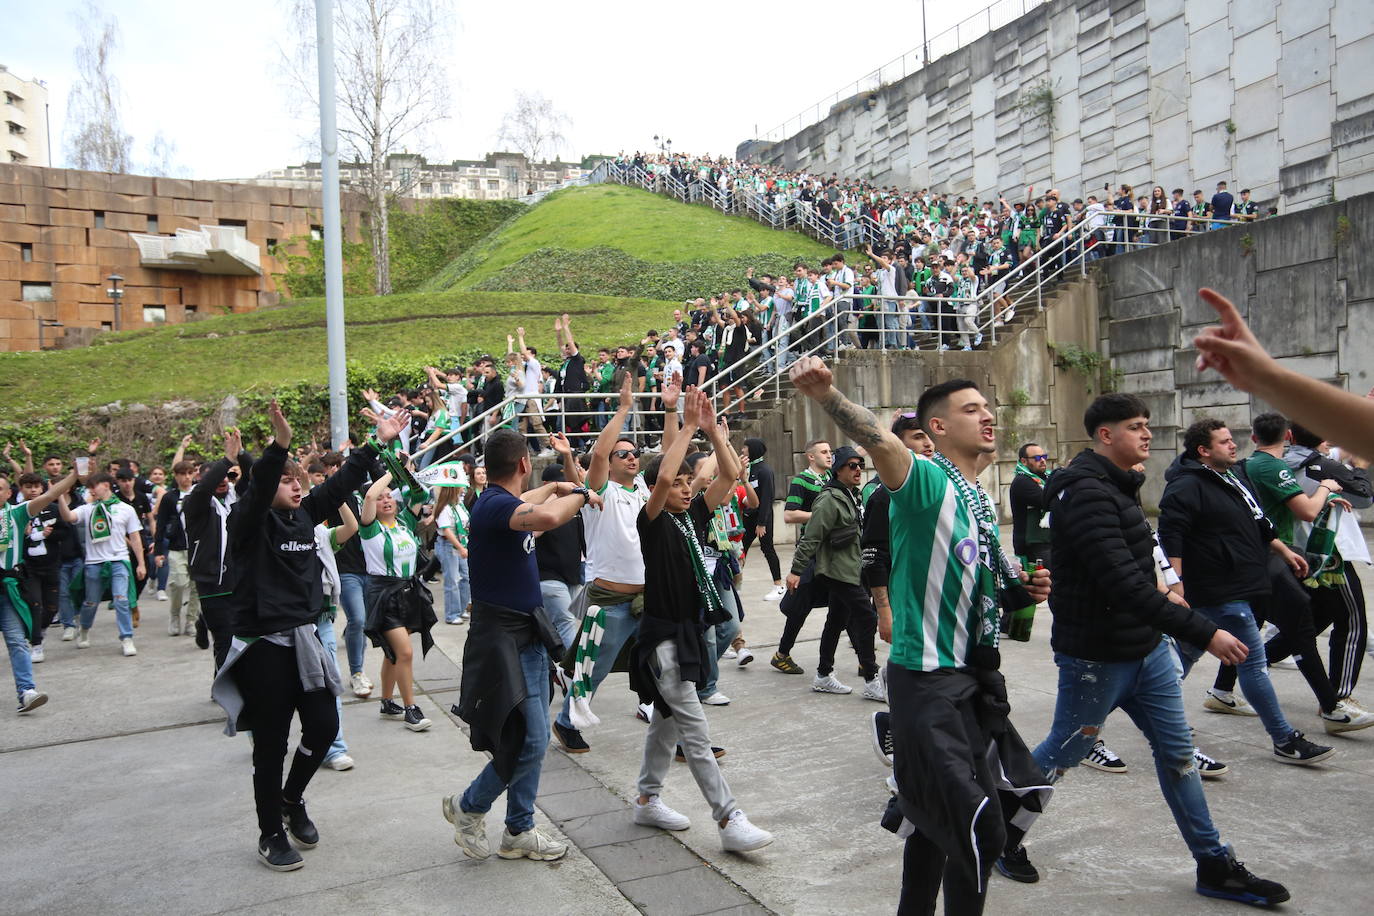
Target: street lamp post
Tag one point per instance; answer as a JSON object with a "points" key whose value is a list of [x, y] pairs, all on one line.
{"points": [[664, 144], [115, 293]]}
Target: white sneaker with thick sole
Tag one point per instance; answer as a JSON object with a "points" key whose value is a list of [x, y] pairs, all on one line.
{"points": [[127, 646], [657, 814], [161, 595], [874, 690], [1346, 717], [738, 835], [729, 653], [1217, 701], [83, 639], [31, 700], [339, 762], [829, 684], [745, 656], [469, 830], [362, 687], [717, 699], [535, 843], [68, 634], [36, 654], [775, 593]]}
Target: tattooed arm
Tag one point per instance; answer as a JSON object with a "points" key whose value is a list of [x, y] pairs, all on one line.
{"points": [[546, 517], [893, 460]]}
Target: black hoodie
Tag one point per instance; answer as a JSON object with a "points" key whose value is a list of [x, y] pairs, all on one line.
{"points": [[1206, 521], [1104, 599]]}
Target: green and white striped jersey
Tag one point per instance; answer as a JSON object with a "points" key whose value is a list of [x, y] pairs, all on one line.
{"points": [[389, 550], [935, 569], [14, 528]]}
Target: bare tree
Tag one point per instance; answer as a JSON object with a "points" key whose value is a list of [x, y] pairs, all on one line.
{"points": [[534, 128], [94, 137], [391, 86], [162, 158]]}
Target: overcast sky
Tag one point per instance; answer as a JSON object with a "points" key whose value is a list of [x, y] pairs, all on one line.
{"points": [[207, 74]]}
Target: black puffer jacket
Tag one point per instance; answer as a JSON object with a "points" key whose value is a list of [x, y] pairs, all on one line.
{"points": [[1206, 522], [1105, 603]]}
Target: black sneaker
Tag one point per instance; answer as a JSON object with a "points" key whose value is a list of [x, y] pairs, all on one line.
{"points": [[785, 664], [277, 853], [1227, 878], [1017, 866], [882, 735], [681, 757], [1298, 750], [570, 739], [299, 824], [415, 720], [202, 634], [392, 710]]}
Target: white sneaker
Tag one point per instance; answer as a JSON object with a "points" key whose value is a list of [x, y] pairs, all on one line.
{"points": [[535, 843], [729, 653], [31, 700], [829, 684], [745, 656], [776, 593], [173, 628], [874, 690], [738, 835], [717, 699], [469, 830], [83, 639], [1218, 701], [644, 712], [339, 762], [1346, 717], [68, 634], [128, 646], [362, 687], [657, 814], [1351, 701], [36, 654], [161, 595]]}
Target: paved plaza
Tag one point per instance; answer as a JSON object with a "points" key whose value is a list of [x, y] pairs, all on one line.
{"points": [[122, 796]]}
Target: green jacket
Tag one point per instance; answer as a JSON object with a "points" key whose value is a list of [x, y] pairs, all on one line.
{"points": [[832, 514]]}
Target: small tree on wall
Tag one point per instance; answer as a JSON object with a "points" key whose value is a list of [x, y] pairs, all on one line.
{"points": [[1037, 101]]}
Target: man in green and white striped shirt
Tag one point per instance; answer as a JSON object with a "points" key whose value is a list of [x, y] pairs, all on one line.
{"points": [[949, 710]]}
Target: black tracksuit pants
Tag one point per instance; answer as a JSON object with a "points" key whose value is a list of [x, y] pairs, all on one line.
{"points": [[770, 553]]}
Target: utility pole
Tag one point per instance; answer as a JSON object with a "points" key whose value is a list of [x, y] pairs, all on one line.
{"points": [[925, 40], [333, 231]]}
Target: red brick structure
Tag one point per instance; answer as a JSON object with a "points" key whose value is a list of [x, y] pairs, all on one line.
{"points": [[63, 232]]}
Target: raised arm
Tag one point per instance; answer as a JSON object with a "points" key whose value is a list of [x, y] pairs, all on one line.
{"points": [[368, 511], [572, 471], [600, 467], [671, 394], [727, 462], [181, 449], [892, 459], [672, 455], [341, 533], [44, 499]]}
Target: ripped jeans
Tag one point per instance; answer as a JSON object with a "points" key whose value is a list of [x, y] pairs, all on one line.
{"points": [[1148, 690]]}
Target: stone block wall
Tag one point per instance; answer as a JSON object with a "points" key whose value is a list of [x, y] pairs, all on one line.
{"points": [[1275, 95]]}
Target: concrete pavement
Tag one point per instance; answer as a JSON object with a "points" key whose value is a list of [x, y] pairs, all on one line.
{"points": [[121, 795]]}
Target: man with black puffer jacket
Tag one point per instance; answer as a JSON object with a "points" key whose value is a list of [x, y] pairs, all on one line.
{"points": [[1218, 541], [205, 523], [1109, 621]]}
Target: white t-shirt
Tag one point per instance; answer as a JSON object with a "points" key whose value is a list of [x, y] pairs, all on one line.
{"points": [[533, 373], [612, 536], [887, 281], [123, 522]]}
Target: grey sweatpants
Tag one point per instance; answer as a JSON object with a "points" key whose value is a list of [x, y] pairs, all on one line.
{"points": [[686, 726]]}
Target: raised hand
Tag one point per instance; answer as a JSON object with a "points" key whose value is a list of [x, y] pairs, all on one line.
{"points": [[672, 391], [520, 332], [367, 413], [187, 439], [370, 394], [23, 447], [281, 429], [811, 376], [233, 443], [93, 445], [1231, 349], [691, 409], [626, 400], [567, 320], [560, 444], [389, 428]]}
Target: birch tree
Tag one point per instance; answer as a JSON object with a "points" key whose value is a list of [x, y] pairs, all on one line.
{"points": [[93, 136], [533, 127]]}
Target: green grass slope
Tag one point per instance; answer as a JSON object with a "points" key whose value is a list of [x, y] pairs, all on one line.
{"points": [[643, 226], [259, 351]]}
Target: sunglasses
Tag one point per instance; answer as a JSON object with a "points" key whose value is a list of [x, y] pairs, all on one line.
{"points": [[1038, 457], [854, 465], [625, 453]]}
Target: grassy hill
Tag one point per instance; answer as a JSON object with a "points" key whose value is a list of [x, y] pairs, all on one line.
{"points": [[643, 243]]}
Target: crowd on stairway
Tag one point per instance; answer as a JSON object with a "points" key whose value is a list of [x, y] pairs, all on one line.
{"points": [[626, 558]]}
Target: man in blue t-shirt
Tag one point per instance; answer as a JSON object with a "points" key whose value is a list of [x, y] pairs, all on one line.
{"points": [[507, 619], [1222, 203]]}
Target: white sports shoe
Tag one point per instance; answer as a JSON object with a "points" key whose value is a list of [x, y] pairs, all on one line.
{"points": [[127, 643], [644, 712], [1218, 701], [1346, 717], [776, 593], [36, 654], [717, 699], [738, 835], [745, 656], [657, 814], [339, 762], [31, 700], [469, 830], [83, 639], [535, 843], [68, 634], [362, 687], [874, 690], [829, 684], [729, 653], [161, 595]]}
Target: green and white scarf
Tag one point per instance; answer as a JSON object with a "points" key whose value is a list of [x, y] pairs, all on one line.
{"points": [[709, 597], [584, 666], [1027, 472], [994, 571], [100, 523]]}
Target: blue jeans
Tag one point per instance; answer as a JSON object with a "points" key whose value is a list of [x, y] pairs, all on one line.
{"points": [[557, 604], [66, 611], [119, 588], [892, 326], [330, 641], [1148, 690], [1235, 618], [352, 588], [718, 639], [620, 626], [457, 590], [524, 781], [17, 642]]}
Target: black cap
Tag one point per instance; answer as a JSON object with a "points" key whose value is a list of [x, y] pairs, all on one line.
{"points": [[552, 472], [844, 454]]}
